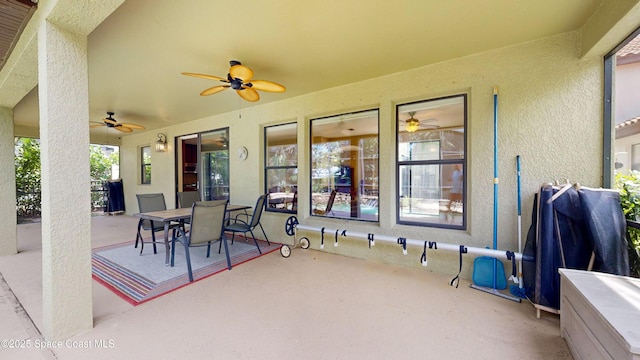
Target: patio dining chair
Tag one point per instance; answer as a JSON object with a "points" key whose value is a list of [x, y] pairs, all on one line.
{"points": [[253, 219], [327, 210], [294, 202], [207, 224], [148, 203], [186, 199]]}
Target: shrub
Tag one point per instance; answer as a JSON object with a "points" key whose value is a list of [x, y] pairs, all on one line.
{"points": [[629, 187]]}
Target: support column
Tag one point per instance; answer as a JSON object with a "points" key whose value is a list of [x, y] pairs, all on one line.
{"points": [[9, 238], [66, 199]]}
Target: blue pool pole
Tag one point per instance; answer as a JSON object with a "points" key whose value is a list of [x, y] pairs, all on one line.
{"points": [[495, 182]]}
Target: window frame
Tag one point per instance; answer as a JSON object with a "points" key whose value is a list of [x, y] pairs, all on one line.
{"points": [[311, 161], [285, 167], [608, 127], [441, 162], [144, 165]]}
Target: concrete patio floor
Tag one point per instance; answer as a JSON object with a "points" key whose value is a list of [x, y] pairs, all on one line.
{"points": [[312, 305]]}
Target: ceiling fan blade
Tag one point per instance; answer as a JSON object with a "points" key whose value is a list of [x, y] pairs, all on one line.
{"points": [[241, 72], [265, 85], [123, 129], [249, 94], [205, 76], [110, 121], [214, 90], [97, 125], [133, 126]]}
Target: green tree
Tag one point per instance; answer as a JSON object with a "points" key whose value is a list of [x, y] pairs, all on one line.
{"points": [[100, 163], [629, 187], [100, 166], [27, 164], [28, 174]]}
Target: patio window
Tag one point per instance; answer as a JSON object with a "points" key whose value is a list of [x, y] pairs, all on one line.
{"points": [[621, 110], [344, 166], [431, 155], [214, 164], [281, 167], [145, 161]]}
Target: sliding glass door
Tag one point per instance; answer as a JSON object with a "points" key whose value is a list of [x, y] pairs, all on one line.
{"points": [[202, 162], [214, 162]]}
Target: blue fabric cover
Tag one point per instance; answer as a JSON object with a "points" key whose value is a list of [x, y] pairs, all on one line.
{"points": [[564, 233], [115, 196]]}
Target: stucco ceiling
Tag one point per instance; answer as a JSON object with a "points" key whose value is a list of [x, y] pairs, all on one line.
{"points": [[137, 54]]}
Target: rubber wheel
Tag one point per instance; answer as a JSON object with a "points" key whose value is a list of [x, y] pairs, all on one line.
{"points": [[304, 243], [285, 251], [289, 226]]}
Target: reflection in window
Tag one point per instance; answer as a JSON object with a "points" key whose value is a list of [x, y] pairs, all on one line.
{"points": [[622, 74], [145, 161], [344, 166], [214, 163], [281, 167], [431, 162]]}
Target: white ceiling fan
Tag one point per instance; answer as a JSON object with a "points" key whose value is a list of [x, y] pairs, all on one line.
{"points": [[412, 124]]}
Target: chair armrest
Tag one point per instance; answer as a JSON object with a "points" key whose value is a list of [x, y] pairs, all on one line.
{"points": [[181, 231], [239, 221], [248, 215]]}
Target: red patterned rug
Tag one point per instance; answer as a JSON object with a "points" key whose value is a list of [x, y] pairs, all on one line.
{"points": [[140, 278]]}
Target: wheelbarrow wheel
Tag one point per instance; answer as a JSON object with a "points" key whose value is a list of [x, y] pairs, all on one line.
{"points": [[290, 225], [285, 251]]}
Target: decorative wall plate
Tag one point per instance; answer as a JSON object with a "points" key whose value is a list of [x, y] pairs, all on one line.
{"points": [[243, 153]]}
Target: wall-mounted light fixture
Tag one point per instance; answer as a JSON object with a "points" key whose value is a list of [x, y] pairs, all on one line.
{"points": [[161, 144]]}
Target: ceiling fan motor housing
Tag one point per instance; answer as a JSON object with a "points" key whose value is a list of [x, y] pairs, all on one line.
{"points": [[236, 83], [110, 117]]}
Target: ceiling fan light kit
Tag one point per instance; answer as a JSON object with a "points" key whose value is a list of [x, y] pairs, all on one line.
{"points": [[239, 79], [412, 124]]}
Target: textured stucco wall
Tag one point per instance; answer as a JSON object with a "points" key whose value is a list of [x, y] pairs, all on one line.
{"points": [[8, 242], [66, 210], [550, 113]]}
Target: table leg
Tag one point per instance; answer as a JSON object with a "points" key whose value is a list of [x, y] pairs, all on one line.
{"points": [[166, 243]]}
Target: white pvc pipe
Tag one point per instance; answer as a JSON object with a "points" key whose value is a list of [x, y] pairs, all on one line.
{"points": [[441, 246]]}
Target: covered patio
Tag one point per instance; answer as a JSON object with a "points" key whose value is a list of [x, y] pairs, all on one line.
{"points": [[79, 60], [312, 305]]}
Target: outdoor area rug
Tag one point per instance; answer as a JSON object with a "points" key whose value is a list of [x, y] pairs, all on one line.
{"points": [[140, 278]]}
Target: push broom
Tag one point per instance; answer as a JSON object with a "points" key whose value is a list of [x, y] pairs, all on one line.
{"points": [[517, 289]]}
